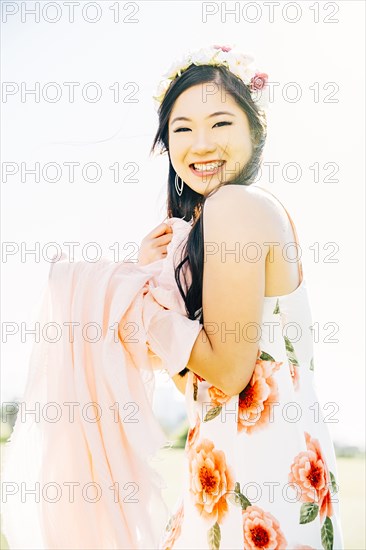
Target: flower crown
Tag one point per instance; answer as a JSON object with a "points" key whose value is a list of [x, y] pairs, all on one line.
{"points": [[237, 62]]}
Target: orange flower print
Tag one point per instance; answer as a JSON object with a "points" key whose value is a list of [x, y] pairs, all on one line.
{"points": [[294, 370], [217, 399], [217, 396], [173, 529], [309, 471], [192, 434], [256, 397], [261, 530], [210, 479], [326, 508]]}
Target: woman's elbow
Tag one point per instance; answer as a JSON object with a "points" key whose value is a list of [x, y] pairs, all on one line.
{"points": [[232, 389], [237, 381]]}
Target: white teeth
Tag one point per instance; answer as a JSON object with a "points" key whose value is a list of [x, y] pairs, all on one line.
{"points": [[208, 166]]}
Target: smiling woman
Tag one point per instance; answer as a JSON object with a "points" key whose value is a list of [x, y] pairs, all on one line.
{"points": [[225, 316], [244, 368]]}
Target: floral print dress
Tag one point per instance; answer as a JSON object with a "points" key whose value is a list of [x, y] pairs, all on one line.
{"points": [[260, 467]]}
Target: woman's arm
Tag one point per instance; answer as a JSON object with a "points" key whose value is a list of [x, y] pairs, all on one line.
{"points": [[236, 231]]}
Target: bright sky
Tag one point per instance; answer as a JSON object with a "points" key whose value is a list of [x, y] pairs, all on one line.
{"points": [[317, 50]]}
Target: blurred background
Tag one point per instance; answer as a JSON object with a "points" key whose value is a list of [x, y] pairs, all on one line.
{"points": [[77, 86]]}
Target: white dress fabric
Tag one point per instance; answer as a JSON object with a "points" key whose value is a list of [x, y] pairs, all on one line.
{"points": [[260, 467]]}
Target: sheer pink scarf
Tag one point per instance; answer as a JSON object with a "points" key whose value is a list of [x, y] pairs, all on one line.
{"points": [[76, 473]]}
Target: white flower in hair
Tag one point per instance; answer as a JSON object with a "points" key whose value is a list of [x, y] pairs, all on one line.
{"points": [[161, 90], [238, 63], [245, 58], [245, 73], [177, 67], [204, 56]]}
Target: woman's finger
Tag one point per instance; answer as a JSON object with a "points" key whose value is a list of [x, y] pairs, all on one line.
{"points": [[163, 240], [159, 230]]}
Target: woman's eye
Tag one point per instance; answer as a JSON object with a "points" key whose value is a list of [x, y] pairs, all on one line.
{"points": [[222, 122]]}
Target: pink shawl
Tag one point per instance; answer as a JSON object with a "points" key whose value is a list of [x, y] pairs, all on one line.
{"points": [[76, 473]]}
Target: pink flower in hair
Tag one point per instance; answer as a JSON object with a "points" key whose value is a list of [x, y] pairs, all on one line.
{"points": [[259, 81], [223, 48]]}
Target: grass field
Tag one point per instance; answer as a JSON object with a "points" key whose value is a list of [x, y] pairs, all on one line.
{"points": [[351, 472]]}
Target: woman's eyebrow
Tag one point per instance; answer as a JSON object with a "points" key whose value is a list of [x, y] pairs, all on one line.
{"points": [[209, 116]]}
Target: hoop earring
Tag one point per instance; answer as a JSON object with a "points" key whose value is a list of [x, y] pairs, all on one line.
{"points": [[178, 189]]}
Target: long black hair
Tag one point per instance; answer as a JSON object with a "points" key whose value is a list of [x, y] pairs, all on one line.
{"points": [[189, 205]]}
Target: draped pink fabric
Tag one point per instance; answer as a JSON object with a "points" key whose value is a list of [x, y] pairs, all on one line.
{"points": [[76, 473]]}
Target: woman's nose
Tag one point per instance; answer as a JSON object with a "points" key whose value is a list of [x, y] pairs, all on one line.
{"points": [[202, 144]]}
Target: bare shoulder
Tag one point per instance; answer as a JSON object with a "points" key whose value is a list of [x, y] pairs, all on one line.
{"points": [[243, 195], [272, 212], [275, 206], [247, 205]]}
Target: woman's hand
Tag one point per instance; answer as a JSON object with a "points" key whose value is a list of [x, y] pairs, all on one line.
{"points": [[154, 246]]}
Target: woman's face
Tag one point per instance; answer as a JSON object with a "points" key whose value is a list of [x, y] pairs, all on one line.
{"points": [[204, 137]]}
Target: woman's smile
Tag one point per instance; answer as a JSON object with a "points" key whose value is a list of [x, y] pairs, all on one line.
{"points": [[212, 168]]}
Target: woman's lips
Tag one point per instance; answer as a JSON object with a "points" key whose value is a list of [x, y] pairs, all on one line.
{"points": [[206, 172]]}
